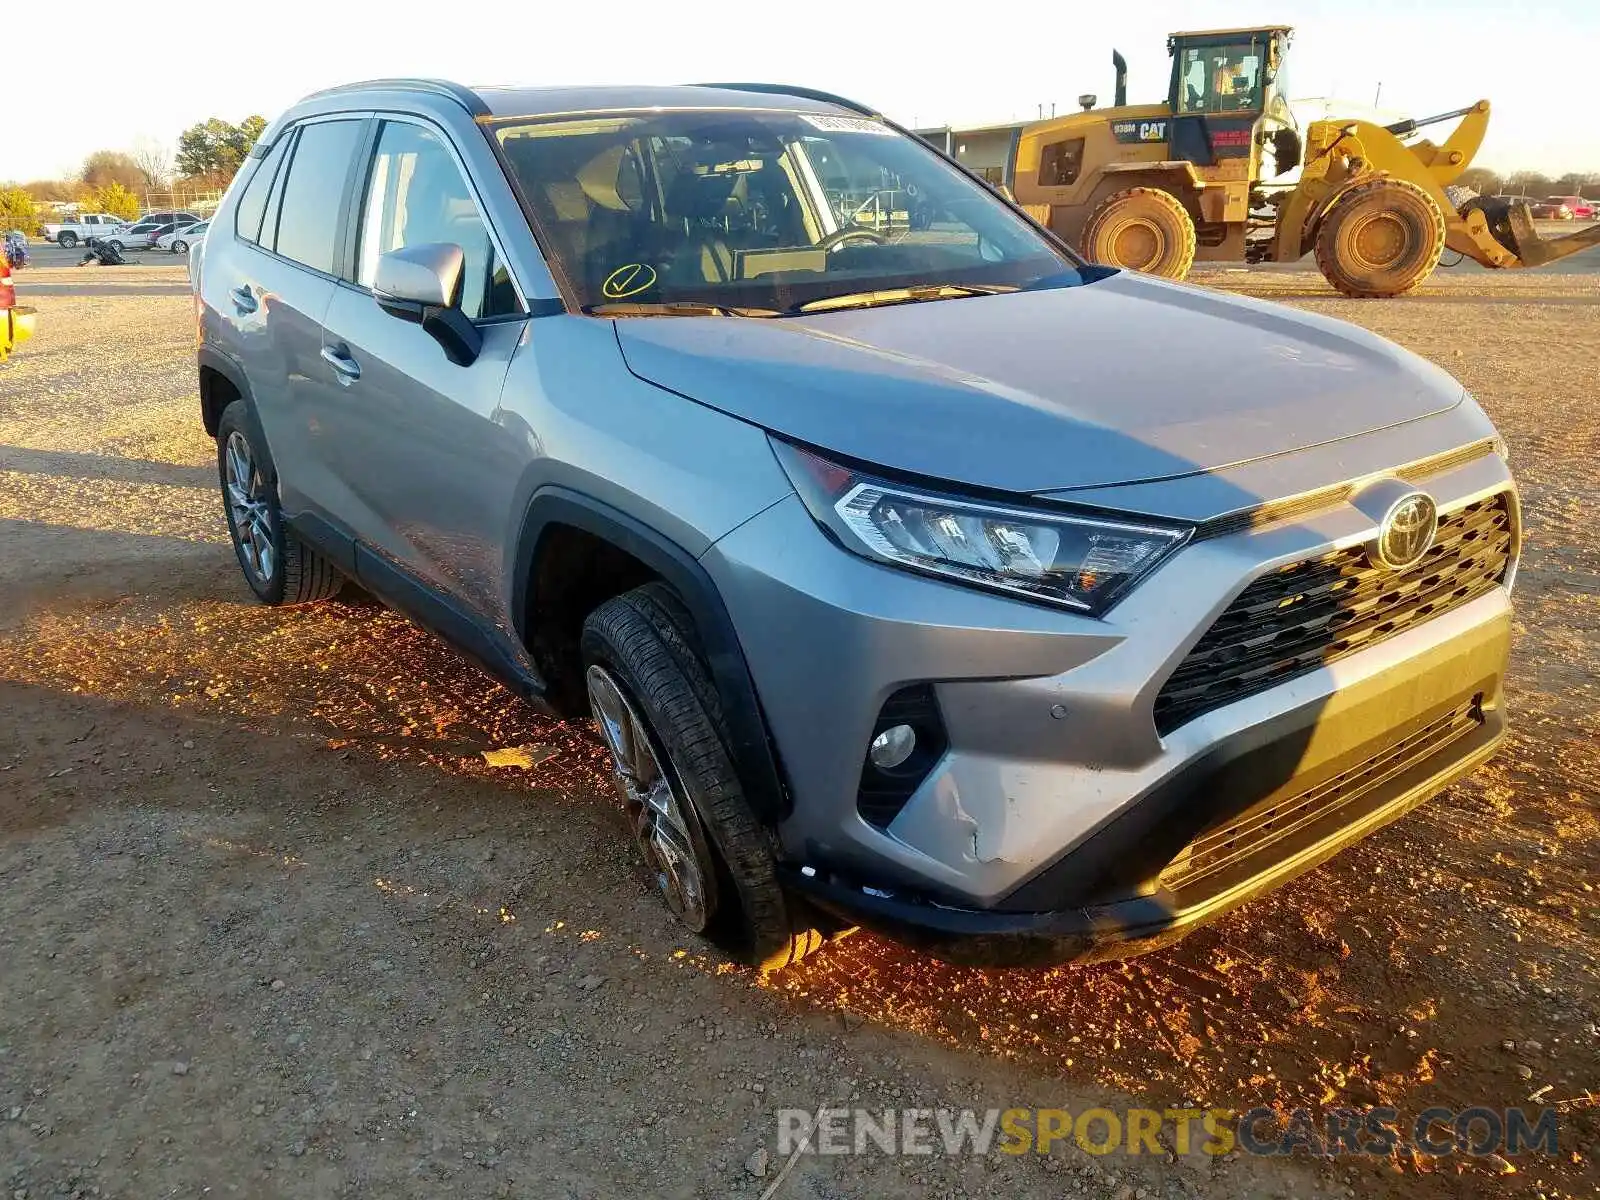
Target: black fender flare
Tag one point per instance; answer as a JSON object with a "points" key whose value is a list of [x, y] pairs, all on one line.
{"points": [[754, 756], [209, 358]]}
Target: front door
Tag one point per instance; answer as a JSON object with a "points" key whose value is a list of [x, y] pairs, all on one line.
{"points": [[421, 442]]}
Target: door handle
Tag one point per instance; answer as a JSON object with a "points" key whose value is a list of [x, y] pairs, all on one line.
{"points": [[244, 300], [338, 357]]}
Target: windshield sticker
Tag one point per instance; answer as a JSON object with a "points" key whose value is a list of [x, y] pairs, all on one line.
{"points": [[830, 124], [628, 281]]}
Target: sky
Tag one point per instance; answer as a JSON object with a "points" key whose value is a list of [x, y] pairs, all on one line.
{"points": [[932, 63]]}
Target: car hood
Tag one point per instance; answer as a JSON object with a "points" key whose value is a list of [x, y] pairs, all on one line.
{"points": [[1122, 380]]}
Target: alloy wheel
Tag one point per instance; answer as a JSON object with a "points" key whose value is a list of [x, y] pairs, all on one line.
{"points": [[248, 506], [660, 818]]}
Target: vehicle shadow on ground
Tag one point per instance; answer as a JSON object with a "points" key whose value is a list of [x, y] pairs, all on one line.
{"points": [[65, 464]]}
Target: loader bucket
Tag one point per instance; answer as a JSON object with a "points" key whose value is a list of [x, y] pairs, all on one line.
{"points": [[1500, 233], [1535, 251]]}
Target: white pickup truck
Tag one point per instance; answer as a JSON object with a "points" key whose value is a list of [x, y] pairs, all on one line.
{"points": [[81, 228]]}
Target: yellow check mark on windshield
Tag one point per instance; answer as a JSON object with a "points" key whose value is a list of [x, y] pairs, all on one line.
{"points": [[628, 281]]}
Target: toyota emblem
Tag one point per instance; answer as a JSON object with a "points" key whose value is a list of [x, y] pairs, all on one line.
{"points": [[1406, 531]]}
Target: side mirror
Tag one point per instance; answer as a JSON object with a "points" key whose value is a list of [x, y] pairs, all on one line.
{"points": [[422, 284]]}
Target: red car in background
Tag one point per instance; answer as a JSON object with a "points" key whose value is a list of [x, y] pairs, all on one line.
{"points": [[1583, 210], [1549, 210]]}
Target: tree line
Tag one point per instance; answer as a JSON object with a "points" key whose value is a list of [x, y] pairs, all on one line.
{"points": [[209, 154], [1531, 183]]}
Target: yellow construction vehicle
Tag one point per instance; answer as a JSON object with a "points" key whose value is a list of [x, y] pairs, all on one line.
{"points": [[1155, 187]]}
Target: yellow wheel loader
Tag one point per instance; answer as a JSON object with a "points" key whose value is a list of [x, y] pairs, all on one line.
{"points": [[1208, 176]]}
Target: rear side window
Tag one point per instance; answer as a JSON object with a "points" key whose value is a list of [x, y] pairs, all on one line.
{"points": [[308, 216], [247, 217]]}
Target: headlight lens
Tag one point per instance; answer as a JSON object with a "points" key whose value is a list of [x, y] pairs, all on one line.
{"points": [[1078, 562]]}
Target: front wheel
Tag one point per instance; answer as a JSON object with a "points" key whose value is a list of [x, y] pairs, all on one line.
{"points": [[1380, 238], [705, 854], [67, 240], [278, 566], [180, 247], [115, 245]]}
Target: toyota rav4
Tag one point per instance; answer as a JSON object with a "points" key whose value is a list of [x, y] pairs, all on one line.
{"points": [[917, 574]]}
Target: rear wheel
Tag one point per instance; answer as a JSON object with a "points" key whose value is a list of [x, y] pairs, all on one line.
{"points": [[180, 247], [705, 854], [1143, 229], [1381, 238], [278, 566], [67, 240], [115, 245]]}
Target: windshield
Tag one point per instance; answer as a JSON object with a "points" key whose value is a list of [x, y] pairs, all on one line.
{"points": [[1220, 79], [761, 210]]}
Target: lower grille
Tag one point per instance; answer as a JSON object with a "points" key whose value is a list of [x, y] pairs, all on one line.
{"points": [[1311, 814], [1315, 612]]}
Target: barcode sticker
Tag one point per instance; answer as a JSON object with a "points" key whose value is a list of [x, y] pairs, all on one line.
{"points": [[832, 124]]}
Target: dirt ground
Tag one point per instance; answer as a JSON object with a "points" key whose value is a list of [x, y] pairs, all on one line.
{"points": [[270, 924]]}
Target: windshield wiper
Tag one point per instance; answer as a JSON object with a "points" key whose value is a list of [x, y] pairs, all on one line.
{"points": [[905, 295], [675, 308]]}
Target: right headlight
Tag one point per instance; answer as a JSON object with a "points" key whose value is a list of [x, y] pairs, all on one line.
{"points": [[1081, 562]]}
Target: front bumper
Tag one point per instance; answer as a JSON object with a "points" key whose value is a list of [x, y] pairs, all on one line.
{"points": [[1238, 842], [1060, 823]]}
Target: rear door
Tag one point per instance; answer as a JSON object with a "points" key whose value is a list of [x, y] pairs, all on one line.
{"points": [[420, 444], [275, 288]]}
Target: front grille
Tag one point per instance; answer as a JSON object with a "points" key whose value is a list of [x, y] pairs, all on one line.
{"points": [[1311, 613], [1312, 814]]}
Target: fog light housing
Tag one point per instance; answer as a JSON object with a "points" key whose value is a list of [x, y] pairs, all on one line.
{"points": [[908, 739], [892, 747]]}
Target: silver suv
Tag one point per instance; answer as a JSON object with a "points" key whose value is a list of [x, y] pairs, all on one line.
{"points": [[919, 575]]}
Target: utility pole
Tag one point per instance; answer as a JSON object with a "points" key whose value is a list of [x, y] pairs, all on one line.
{"points": [[1377, 93]]}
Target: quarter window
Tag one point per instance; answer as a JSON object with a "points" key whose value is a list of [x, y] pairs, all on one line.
{"points": [[416, 195], [308, 217], [247, 217]]}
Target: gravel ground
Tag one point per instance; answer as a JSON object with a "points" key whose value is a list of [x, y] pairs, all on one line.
{"points": [[271, 925]]}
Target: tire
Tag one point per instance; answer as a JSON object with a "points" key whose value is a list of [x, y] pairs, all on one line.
{"points": [[278, 566], [1143, 229], [1381, 238], [115, 245], [66, 240], [180, 247], [642, 644]]}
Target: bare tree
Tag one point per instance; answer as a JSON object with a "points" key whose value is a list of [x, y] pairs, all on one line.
{"points": [[151, 159]]}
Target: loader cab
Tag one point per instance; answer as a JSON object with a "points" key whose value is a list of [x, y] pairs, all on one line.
{"points": [[1227, 86]]}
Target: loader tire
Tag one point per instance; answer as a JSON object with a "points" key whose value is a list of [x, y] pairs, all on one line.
{"points": [[1381, 238], [1143, 229]]}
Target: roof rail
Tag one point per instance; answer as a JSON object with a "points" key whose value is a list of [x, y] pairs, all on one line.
{"points": [[466, 97], [783, 89]]}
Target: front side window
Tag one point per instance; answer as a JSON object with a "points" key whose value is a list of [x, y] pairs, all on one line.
{"points": [[308, 216], [1220, 79], [760, 210], [415, 195]]}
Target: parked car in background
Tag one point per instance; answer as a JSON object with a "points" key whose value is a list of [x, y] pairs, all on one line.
{"points": [[1549, 210], [889, 600], [133, 237], [177, 217], [1582, 210], [180, 239], [81, 228]]}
